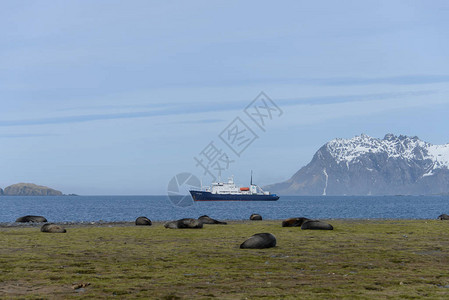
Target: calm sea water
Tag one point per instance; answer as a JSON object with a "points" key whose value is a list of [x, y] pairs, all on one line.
{"points": [[159, 208]]}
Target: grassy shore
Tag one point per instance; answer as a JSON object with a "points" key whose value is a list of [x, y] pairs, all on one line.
{"points": [[359, 259]]}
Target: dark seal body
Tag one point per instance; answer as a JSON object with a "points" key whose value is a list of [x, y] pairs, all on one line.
{"points": [[208, 220], [33, 219], [184, 223], [259, 241], [294, 222], [443, 217], [171, 225], [316, 225], [53, 228], [143, 221], [255, 217]]}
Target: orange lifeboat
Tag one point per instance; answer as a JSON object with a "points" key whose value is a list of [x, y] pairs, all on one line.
{"points": [[244, 189]]}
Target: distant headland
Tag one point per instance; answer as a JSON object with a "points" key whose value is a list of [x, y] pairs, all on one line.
{"points": [[29, 189]]}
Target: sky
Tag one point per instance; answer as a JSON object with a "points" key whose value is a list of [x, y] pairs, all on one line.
{"points": [[118, 97]]}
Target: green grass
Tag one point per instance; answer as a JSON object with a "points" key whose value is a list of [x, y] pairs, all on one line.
{"points": [[359, 259]]}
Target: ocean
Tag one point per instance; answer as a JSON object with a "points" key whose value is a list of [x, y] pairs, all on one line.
{"points": [[161, 208]]}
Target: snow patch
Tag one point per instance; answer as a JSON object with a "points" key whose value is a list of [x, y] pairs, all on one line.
{"points": [[409, 148], [440, 155], [327, 178]]}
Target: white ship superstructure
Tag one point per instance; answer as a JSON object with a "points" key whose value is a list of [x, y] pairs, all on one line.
{"points": [[228, 191], [230, 188]]}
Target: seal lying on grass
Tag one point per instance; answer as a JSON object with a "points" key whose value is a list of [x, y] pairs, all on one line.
{"points": [[184, 223], [52, 228], [143, 221], [315, 224], [259, 241], [33, 219], [208, 220], [255, 217], [294, 222], [443, 217]]}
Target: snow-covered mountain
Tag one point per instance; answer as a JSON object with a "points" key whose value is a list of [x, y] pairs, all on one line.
{"points": [[363, 165]]}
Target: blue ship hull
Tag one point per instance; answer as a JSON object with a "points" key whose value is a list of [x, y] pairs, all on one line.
{"points": [[208, 196]]}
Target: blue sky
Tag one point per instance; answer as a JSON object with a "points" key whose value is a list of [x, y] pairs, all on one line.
{"points": [[117, 97]]}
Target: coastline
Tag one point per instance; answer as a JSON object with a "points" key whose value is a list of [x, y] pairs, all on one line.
{"points": [[101, 223]]}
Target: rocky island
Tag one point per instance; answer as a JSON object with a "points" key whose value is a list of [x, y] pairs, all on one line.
{"points": [[29, 189]]}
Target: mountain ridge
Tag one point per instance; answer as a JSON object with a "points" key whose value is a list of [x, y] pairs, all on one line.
{"points": [[363, 165]]}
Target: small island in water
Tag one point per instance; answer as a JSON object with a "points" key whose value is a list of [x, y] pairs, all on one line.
{"points": [[29, 189]]}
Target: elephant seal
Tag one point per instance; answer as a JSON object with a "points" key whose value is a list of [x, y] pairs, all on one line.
{"points": [[143, 221], [259, 241], [184, 223], [294, 222], [33, 219], [52, 228], [255, 217], [316, 224], [208, 220], [443, 217]]}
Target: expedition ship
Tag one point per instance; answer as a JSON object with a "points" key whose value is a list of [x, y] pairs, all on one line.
{"points": [[228, 191]]}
